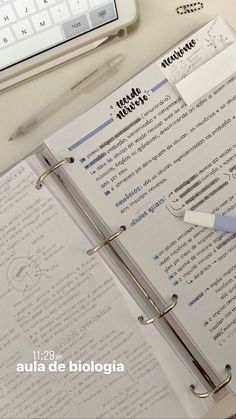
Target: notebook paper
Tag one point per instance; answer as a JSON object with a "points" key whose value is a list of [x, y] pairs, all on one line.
{"points": [[55, 298], [141, 157]]}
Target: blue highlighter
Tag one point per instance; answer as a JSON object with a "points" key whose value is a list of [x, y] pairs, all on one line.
{"points": [[204, 219]]}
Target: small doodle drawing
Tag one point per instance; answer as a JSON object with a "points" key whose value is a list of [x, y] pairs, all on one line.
{"points": [[24, 273], [174, 207]]}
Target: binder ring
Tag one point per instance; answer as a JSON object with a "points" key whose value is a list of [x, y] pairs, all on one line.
{"points": [[41, 178], [215, 389], [161, 314], [95, 249]]}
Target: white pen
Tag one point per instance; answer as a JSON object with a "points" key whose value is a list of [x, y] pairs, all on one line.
{"points": [[204, 219], [54, 106]]}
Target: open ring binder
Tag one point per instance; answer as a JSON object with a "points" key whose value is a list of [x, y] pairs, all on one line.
{"points": [[106, 241], [161, 314], [215, 389], [52, 169]]}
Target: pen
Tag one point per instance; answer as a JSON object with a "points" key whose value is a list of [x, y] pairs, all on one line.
{"points": [[204, 219], [54, 106]]}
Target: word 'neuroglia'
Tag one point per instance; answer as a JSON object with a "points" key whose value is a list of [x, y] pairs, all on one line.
{"points": [[130, 102]]}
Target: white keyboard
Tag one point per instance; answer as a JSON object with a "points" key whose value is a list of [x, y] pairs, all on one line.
{"points": [[35, 25]]}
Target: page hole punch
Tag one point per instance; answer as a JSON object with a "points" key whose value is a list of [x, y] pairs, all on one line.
{"points": [[52, 169]]}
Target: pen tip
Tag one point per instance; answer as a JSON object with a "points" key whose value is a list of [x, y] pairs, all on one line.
{"points": [[10, 139]]}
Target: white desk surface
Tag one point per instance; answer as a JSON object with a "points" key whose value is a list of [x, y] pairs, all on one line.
{"points": [[160, 26]]}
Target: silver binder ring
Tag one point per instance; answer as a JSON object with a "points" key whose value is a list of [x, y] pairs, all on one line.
{"points": [[215, 389], [95, 249], [161, 314], [41, 178]]}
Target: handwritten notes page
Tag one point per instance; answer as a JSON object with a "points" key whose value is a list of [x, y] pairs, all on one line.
{"points": [[54, 297], [141, 157]]}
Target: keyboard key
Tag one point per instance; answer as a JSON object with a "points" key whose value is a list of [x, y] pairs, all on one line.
{"points": [[103, 14], [24, 7], [44, 3], [96, 3], [75, 26], [6, 37], [38, 42], [7, 15], [60, 12], [78, 6], [41, 21], [22, 29]]}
